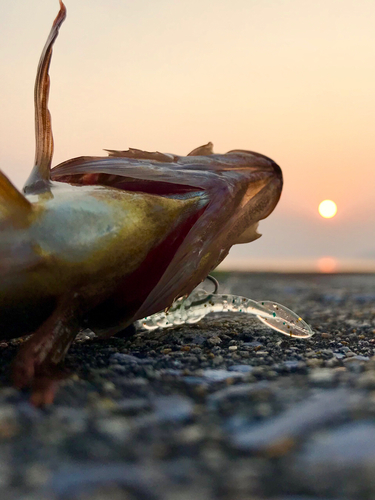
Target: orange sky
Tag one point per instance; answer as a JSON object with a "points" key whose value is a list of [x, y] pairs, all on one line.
{"points": [[290, 79]]}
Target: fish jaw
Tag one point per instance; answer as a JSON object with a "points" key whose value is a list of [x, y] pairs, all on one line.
{"points": [[243, 197]]}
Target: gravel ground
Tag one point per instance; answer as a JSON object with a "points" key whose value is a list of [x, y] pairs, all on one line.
{"points": [[225, 409]]}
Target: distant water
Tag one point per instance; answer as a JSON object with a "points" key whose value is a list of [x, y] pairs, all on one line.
{"points": [[298, 265]]}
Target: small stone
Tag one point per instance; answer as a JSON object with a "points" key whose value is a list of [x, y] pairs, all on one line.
{"points": [[367, 380], [173, 408], [276, 436], [339, 355], [166, 351], [326, 335], [219, 375], [214, 340], [314, 362], [232, 348], [292, 365], [116, 428], [331, 363], [37, 475], [120, 358], [241, 368], [196, 350], [109, 386], [217, 360], [322, 376], [342, 456], [258, 390], [254, 344]]}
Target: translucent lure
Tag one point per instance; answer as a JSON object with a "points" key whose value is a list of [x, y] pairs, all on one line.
{"points": [[200, 303]]}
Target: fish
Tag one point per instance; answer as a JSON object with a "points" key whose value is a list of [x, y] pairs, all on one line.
{"points": [[101, 242]]}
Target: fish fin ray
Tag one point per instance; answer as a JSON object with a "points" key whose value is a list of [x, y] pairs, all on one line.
{"points": [[205, 150], [130, 168], [139, 154], [39, 179], [13, 204]]}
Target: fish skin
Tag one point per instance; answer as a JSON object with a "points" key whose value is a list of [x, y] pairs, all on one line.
{"points": [[104, 241], [81, 242]]}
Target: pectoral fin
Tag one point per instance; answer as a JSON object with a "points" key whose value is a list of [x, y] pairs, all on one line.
{"points": [[36, 364], [39, 178]]}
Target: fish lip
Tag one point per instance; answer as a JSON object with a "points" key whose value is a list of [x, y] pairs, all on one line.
{"points": [[266, 199], [276, 185], [277, 170]]}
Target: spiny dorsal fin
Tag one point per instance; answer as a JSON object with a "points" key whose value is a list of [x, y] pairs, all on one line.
{"points": [[205, 150], [12, 203], [138, 154], [39, 179]]}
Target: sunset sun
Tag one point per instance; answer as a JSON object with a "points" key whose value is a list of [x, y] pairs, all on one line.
{"points": [[327, 209]]}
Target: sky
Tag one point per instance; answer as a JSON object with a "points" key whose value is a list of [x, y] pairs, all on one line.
{"points": [[291, 79]]}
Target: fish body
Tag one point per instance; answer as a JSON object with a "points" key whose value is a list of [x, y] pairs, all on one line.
{"points": [[83, 242], [100, 242]]}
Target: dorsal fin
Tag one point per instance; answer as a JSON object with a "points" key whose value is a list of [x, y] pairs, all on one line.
{"points": [[39, 179], [13, 204], [205, 150], [138, 154]]}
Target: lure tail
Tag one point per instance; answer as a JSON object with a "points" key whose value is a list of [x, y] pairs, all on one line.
{"points": [[200, 303]]}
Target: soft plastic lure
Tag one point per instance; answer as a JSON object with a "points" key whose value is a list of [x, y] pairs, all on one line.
{"points": [[200, 303]]}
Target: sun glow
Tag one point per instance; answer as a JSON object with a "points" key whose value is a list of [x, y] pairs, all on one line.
{"points": [[327, 209], [327, 265]]}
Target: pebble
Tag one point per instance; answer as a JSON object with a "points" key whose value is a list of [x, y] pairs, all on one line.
{"points": [[326, 335], [214, 340], [241, 391], [217, 360], [291, 364], [314, 362], [276, 436], [119, 358], [173, 408], [241, 368], [366, 380], [220, 375], [322, 376], [340, 459]]}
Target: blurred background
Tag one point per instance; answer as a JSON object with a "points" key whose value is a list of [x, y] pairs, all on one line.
{"points": [[290, 79]]}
